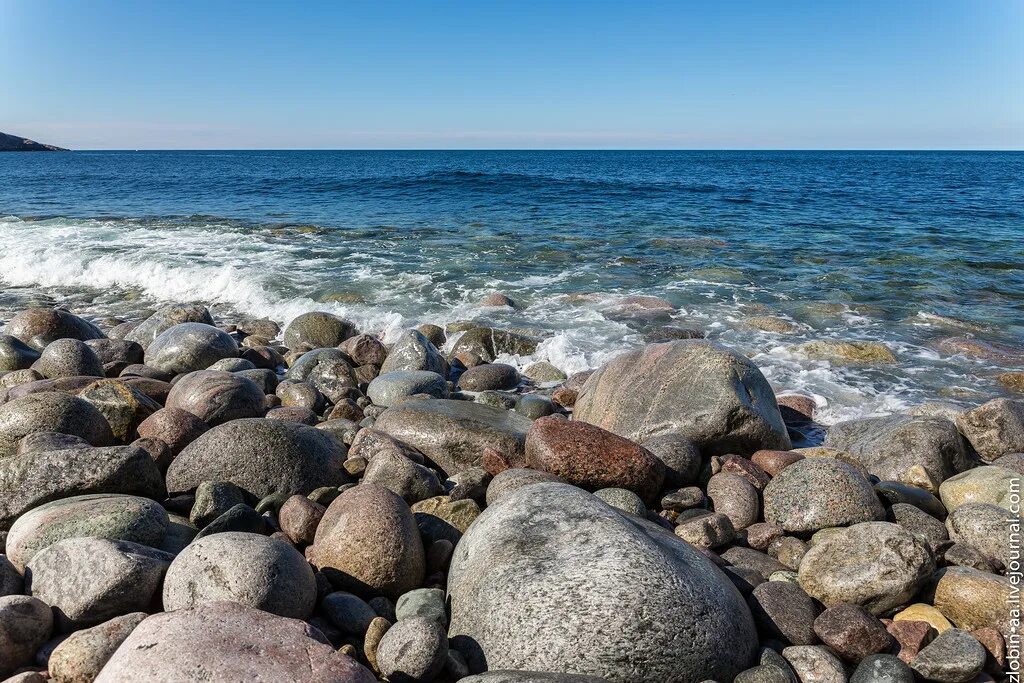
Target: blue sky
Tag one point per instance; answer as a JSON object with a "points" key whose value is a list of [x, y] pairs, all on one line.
{"points": [[773, 74]]}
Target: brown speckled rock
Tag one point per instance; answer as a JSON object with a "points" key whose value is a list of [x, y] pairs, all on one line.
{"points": [[174, 426], [592, 458], [368, 543], [816, 493], [225, 642], [299, 517], [852, 632], [713, 396], [217, 397], [774, 462], [80, 657]]}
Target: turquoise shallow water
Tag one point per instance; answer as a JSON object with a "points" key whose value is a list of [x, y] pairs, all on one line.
{"points": [[903, 248]]}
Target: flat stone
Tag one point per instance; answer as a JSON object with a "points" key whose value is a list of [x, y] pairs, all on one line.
{"points": [[847, 352], [226, 642], [440, 518], [922, 612]]}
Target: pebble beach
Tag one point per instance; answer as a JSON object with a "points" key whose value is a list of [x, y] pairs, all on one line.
{"points": [[190, 497]]}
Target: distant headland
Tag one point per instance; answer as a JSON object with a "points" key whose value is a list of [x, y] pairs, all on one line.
{"points": [[14, 143]]}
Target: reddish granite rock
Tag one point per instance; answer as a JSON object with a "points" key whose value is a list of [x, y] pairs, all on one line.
{"points": [[992, 640], [747, 469], [804, 405], [217, 397], [773, 462], [852, 632], [299, 518], [174, 426], [592, 458], [911, 636], [564, 396]]}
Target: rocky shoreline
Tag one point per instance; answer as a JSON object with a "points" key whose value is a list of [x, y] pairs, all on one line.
{"points": [[184, 499]]}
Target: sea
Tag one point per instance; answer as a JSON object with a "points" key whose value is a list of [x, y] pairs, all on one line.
{"points": [[903, 248]]}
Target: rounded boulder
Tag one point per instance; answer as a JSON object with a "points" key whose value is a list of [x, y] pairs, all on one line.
{"points": [[216, 397], [817, 493], [51, 411], [189, 347]]}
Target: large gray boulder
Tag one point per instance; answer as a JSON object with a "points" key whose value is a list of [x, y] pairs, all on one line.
{"points": [[38, 477], [165, 318], [317, 330], [68, 358], [89, 580], [261, 456], [37, 327], [114, 516], [254, 570], [224, 642], [189, 347], [550, 578], [904, 448], [711, 395], [51, 411], [413, 351], [454, 434]]}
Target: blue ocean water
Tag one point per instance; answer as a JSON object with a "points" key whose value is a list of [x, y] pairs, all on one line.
{"points": [[905, 248]]}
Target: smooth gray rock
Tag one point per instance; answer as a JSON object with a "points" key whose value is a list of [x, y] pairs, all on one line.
{"points": [[995, 428], [709, 394], [11, 582], [113, 516], [489, 376], [318, 329], [225, 642], [261, 572], [334, 378], [735, 497], [388, 388], [422, 602], [304, 365], [785, 612], [550, 577], [90, 580], [411, 481], [892, 447], [534, 406], [623, 499], [515, 478], [919, 523], [165, 318], [51, 412], [953, 657], [32, 479], [874, 564], [117, 350], [261, 456], [69, 358], [213, 499], [25, 625], [233, 365], [189, 347], [413, 351], [350, 613], [453, 434], [988, 528], [681, 457], [414, 650], [817, 493], [37, 327], [488, 343], [882, 669], [15, 354]]}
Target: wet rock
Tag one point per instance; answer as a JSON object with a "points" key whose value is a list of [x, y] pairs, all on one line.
{"points": [[713, 396], [453, 434], [413, 351], [489, 343], [515, 478], [389, 388], [318, 330], [365, 349], [847, 352], [893, 492], [260, 456], [564, 568], [814, 664], [90, 580], [874, 564], [411, 481], [953, 657], [973, 599], [25, 625], [164, 319], [299, 518], [16, 354], [994, 428], [681, 457], [413, 650], [784, 611], [38, 327], [79, 658], [852, 632], [250, 569], [368, 543], [533, 406], [117, 517], [223, 642], [216, 397], [51, 412], [734, 496], [987, 484], [489, 376], [68, 358], [592, 458], [32, 479], [816, 493], [882, 669], [175, 427], [891, 447], [189, 347], [543, 372]]}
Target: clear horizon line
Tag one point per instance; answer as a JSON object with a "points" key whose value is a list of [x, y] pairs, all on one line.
{"points": [[548, 149]]}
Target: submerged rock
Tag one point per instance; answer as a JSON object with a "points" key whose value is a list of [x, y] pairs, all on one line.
{"points": [[549, 578], [705, 392]]}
